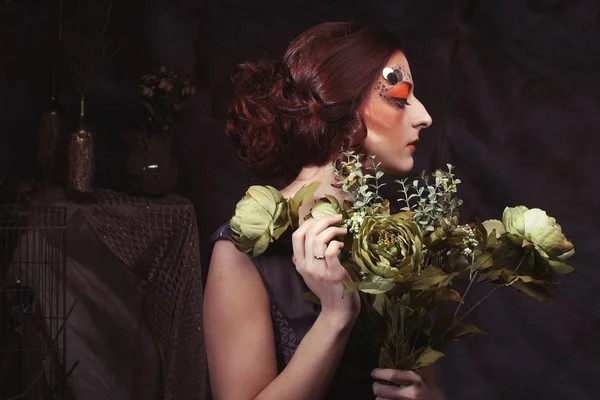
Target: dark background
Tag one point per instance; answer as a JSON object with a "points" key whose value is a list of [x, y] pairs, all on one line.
{"points": [[513, 87]]}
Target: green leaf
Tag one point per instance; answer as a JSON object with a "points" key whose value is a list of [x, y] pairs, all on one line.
{"points": [[463, 330], [432, 277], [560, 268], [306, 193], [293, 210], [428, 357], [375, 284], [350, 287], [450, 295], [490, 276], [537, 292], [483, 261], [347, 205], [385, 359], [507, 253], [522, 278], [379, 304], [302, 196], [310, 296], [282, 219]]}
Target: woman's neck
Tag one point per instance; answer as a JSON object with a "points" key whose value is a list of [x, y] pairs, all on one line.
{"points": [[323, 174]]}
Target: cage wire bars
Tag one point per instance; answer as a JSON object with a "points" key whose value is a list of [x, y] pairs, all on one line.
{"points": [[33, 303]]}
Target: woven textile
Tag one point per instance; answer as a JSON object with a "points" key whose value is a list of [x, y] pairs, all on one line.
{"points": [[158, 240]]}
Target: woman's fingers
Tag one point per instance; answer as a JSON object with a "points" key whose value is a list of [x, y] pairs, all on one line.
{"points": [[397, 376], [331, 253], [303, 237], [410, 381], [324, 245], [316, 226], [298, 238], [395, 392], [329, 234], [298, 245]]}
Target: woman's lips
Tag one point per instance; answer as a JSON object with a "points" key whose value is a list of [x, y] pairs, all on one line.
{"points": [[413, 145]]}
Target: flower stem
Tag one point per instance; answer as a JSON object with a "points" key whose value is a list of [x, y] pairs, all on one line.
{"points": [[487, 295], [465, 294], [405, 191]]}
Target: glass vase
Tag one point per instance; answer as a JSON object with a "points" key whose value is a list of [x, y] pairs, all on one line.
{"points": [[51, 146], [81, 156], [152, 168]]}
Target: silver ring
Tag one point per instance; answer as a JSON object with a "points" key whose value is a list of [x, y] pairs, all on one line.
{"points": [[319, 257]]}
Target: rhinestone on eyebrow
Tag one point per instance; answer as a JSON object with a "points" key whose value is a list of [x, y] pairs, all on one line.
{"points": [[393, 75]]}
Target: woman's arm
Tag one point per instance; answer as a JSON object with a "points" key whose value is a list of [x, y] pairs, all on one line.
{"points": [[237, 326], [240, 342]]}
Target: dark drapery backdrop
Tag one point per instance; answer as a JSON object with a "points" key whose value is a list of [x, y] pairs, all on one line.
{"points": [[513, 88]]}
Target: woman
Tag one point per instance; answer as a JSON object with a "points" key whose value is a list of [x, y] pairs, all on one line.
{"points": [[341, 86]]}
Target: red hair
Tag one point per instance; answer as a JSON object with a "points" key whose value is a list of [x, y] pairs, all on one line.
{"points": [[305, 110]]}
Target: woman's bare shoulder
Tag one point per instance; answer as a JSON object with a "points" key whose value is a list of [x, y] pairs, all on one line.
{"points": [[234, 269], [238, 327]]}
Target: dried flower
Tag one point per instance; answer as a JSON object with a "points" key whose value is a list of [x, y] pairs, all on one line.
{"points": [[389, 247], [405, 264], [260, 216], [163, 93]]}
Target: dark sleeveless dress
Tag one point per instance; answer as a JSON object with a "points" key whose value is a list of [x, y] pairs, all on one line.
{"points": [[293, 316]]}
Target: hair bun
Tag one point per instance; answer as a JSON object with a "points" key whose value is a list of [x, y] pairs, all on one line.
{"points": [[255, 121]]}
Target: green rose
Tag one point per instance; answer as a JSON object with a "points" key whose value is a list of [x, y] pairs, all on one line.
{"points": [[261, 216], [538, 228], [326, 206], [388, 247]]}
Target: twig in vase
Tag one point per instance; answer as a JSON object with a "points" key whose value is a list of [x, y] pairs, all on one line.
{"points": [[126, 39], [120, 47], [103, 31], [96, 49]]}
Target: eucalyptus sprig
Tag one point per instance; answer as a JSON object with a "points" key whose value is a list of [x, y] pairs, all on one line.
{"points": [[433, 201], [359, 177]]}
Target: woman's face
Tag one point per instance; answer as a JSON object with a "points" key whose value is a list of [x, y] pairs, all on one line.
{"points": [[394, 117]]}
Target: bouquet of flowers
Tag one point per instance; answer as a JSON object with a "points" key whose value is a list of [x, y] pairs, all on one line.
{"points": [[163, 93], [409, 265]]}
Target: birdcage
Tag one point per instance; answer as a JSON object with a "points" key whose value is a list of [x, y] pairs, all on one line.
{"points": [[32, 303]]}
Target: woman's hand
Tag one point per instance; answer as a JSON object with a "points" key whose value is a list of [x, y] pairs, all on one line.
{"points": [[413, 386], [316, 260]]}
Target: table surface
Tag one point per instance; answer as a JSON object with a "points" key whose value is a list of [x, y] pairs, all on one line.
{"points": [[133, 270]]}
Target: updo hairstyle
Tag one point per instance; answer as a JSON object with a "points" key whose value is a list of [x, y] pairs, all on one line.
{"points": [[305, 110]]}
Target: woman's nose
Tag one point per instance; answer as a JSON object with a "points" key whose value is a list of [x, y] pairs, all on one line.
{"points": [[422, 117]]}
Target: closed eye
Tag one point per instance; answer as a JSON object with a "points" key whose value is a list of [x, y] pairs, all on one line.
{"points": [[400, 102]]}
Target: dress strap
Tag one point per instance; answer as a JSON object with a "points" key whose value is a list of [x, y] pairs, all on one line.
{"points": [[223, 233]]}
